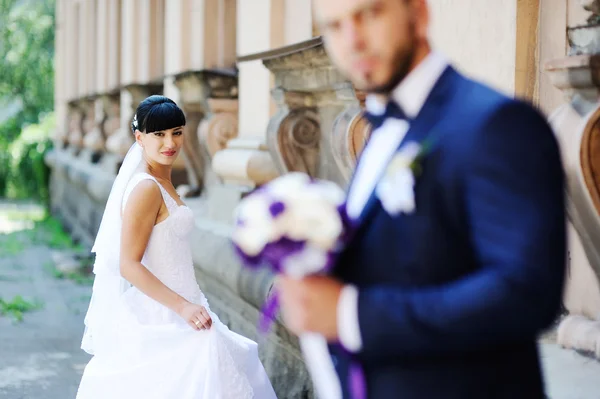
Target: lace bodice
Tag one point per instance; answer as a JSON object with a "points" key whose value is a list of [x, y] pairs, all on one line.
{"points": [[168, 254]]}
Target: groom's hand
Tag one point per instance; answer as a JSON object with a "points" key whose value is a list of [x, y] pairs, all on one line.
{"points": [[310, 305]]}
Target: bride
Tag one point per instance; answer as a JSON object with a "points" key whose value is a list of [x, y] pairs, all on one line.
{"points": [[149, 326]]}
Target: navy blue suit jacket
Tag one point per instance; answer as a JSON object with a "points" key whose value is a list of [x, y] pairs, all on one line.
{"points": [[452, 296]]}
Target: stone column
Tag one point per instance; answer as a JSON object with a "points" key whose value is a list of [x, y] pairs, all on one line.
{"points": [[87, 46], [108, 46], [142, 30], [576, 124], [71, 47], [60, 81], [114, 42]]}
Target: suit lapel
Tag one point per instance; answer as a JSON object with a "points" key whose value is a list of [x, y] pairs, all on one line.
{"points": [[419, 128]]}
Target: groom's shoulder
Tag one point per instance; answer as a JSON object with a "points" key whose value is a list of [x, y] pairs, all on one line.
{"points": [[483, 105]]}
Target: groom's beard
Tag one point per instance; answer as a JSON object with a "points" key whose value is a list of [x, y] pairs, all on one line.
{"points": [[403, 59]]}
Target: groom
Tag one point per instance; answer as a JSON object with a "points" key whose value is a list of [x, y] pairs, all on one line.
{"points": [[446, 284]]}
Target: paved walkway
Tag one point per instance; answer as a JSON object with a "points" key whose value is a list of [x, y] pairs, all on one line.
{"points": [[40, 356], [568, 374]]}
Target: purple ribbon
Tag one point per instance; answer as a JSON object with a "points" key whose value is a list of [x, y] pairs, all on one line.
{"points": [[267, 313], [358, 385]]}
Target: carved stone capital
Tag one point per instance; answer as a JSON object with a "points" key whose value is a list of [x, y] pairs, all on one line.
{"points": [[293, 138], [220, 127], [198, 86], [302, 67], [591, 5]]}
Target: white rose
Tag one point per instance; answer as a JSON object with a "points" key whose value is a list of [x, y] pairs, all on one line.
{"points": [[251, 240], [288, 185]]}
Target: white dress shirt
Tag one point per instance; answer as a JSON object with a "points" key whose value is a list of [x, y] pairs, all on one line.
{"points": [[410, 95]]}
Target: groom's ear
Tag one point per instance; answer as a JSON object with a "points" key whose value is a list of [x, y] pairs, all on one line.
{"points": [[420, 8]]}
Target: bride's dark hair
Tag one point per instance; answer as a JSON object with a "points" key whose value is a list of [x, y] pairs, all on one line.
{"points": [[157, 113]]}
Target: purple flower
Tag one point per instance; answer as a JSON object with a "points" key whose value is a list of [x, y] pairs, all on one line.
{"points": [[276, 208]]}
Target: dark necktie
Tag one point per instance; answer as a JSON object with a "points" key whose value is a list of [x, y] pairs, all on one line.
{"points": [[392, 110]]}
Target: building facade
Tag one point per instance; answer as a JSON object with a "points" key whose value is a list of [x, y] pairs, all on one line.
{"points": [[262, 98]]}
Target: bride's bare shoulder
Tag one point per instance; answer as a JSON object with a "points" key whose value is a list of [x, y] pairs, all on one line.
{"points": [[144, 197]]}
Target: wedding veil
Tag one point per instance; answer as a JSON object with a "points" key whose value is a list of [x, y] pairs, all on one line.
{"points": [[100, 321]]}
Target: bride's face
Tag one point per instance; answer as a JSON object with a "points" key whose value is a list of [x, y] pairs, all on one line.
{"points": [[162, 146]]}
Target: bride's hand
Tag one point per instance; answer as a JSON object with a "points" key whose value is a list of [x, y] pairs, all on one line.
{"points": [[196, 316]]}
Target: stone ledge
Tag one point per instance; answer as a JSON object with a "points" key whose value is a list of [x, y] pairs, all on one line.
{"points": [[581, 334]]}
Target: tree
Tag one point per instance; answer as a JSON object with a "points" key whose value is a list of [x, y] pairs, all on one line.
{"points": [[26, 80]]}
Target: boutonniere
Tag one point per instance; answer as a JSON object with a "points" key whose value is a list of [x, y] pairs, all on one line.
{"points": [[395, 190]]}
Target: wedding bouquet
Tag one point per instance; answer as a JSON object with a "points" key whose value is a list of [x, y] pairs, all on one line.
{"points": [[295, 226]]}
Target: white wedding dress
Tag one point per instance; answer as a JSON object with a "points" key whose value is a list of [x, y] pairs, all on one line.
{"points": [[156, 354]]}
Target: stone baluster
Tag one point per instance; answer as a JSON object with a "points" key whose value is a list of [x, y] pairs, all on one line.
{"points": [[294, 133], [217, 129], [195, 90], [350, 130], [94, 139], [76, 115], [112, 110]]}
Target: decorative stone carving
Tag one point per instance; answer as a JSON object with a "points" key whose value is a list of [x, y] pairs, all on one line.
{"points": [[591, 5], [221, 126], [293, 138], [95, 116], [195, 88], [313, 95], [112, 122], [350, 131], [75, 126], [61, 136]]}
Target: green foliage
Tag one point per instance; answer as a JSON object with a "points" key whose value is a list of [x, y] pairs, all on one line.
{"points": [[51, 233], [11, 246], [82, 276], [29, 175], [26, 95], [17, 306]]}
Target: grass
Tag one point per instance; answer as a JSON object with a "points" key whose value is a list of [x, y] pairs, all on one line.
{"points": [[17, 307], [50, 232], [82, 276], [11, 245]]}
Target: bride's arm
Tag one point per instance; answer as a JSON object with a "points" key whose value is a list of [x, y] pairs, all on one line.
{"points": [[139, 217]]}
